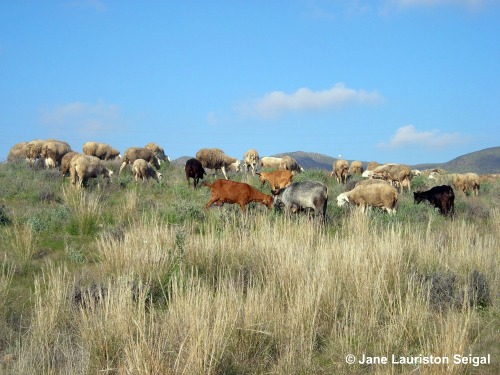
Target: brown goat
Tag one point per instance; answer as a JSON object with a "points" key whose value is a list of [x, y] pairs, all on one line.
{"points": [[277, 179], [227, 191]]}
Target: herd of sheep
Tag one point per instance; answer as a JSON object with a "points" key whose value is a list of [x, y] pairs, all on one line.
{"points": [[379, 189]]}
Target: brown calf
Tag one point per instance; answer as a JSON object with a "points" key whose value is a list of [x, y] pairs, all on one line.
{"points": [[227, 191], [277, 179]]}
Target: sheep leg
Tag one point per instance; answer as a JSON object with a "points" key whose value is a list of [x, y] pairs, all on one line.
{"points": [[122, 166], [223, 169]]}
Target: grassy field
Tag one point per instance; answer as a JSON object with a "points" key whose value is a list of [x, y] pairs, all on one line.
{"points": [[132, 278]]}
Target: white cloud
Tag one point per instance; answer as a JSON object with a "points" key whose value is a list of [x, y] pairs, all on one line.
{"points": [[277, 102], [409, 136], [86, 120]]}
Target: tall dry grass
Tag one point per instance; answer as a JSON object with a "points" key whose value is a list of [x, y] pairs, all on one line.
{"points": [[264, 294]]}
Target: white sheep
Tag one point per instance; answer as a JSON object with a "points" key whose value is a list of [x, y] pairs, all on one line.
{"points": [[340, 171], [251, 160], [215, 158], [158, 151], [384, 196], [142, 169], [84, 167], [102, 150], [131, 154], [271, 162], [356, 167], [290, 164], [53, 151], [397, 174]]}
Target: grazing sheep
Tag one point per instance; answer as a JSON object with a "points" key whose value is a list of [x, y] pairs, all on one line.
{"points": [[271, 162], [102, 150], [397, 174], [158, 151], [251, 160], [214, 158], [340, 171], [384, 196], [356, 167], [303, 195], [18, 152], [290, 164], [472, 183], [277, 179], [194, 170], [466, 183], [370, 182], [142, 169], [66, 162], [53, 151], [372, 165], [415, 172], [226, 191], [34, 150], [441, 197], [84, 167], [133, 153]]}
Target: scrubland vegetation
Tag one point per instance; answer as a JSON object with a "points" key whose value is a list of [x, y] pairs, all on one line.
{"points": [[139, 279]]}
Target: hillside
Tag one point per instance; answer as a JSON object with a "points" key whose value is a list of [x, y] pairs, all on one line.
{"points": [[483, 161]]}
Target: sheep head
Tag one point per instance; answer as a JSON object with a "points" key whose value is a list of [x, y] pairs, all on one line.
{"points": [[342, 200]]}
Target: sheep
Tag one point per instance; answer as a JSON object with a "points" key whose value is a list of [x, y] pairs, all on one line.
{"points": [[84, 167], [102, 150], [277, 179], [356, 167], [226, 191], [142, 169], [340, 171], [18, 152], [372, 165], [398, 174], [303, 195], [466, 183], [194, 170], [131, 154], [66, 162], [271, 162], [53, 151], [370, 182], [158, 151], [472, 183], [384, 196], [215, 158], [290, 164], [251, 160], [34, 150]]}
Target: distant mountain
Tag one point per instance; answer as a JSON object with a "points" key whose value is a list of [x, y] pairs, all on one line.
{"points": [[482, 161]]}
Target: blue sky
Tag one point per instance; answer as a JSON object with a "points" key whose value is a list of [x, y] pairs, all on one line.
{"points": [[409, 81]]}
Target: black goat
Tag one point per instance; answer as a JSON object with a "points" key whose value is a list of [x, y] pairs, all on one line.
{"points": [[194, 170], [441, 197]]}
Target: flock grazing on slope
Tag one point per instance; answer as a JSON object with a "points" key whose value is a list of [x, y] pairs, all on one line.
{"points": [[378, 189]]}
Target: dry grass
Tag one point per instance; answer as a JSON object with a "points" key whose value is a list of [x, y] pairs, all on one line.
{"points": [[262, 294]]}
